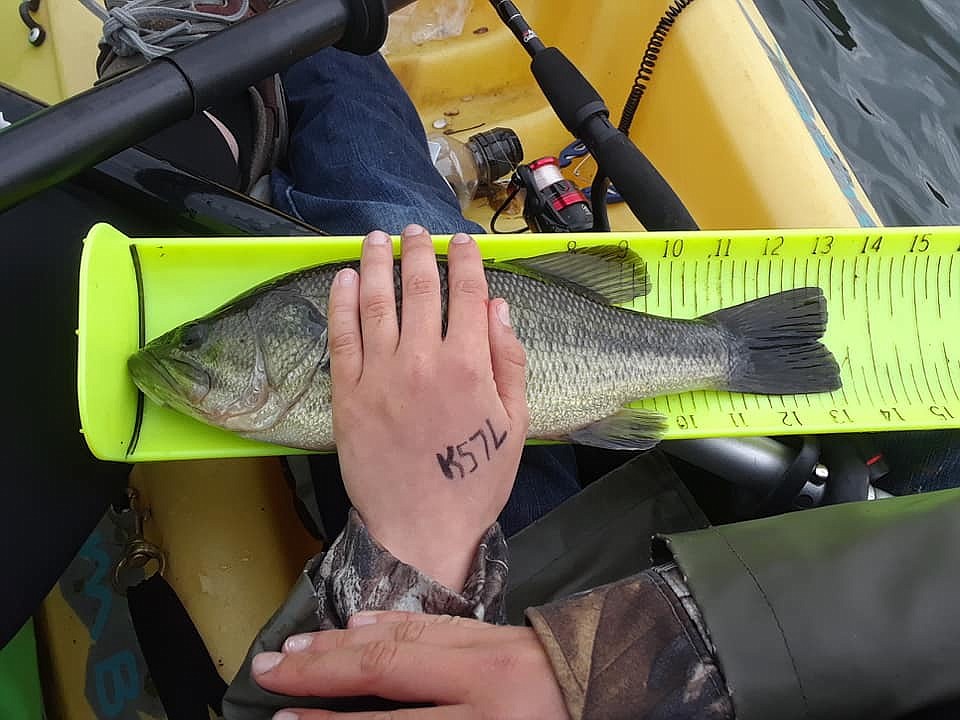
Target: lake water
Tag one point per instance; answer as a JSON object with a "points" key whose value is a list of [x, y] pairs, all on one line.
{"points": [[885, 75]]}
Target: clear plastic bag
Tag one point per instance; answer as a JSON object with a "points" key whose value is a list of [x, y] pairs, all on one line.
{"points": [[426, 20]]}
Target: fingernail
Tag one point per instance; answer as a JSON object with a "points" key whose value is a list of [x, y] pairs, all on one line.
{"points": [[297, 643], [461, 239], [285, 715], [265, 662], [414, 230], [503, 312], [347, 278], [361, 619], [378, 238]]}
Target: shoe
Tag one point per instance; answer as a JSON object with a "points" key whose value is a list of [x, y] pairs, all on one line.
{"points": [[138, 31]]}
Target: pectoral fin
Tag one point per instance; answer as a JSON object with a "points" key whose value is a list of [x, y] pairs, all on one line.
{"points": [[627, 429]]}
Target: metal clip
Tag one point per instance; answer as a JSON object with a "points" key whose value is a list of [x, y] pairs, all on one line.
{"points": [[138, 551]]}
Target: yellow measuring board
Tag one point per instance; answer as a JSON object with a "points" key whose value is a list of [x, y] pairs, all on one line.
{"points": [[893, 299]]}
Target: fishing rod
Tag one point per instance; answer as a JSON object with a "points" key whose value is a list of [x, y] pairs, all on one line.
{"points": [[61, 141], [582, 111]]}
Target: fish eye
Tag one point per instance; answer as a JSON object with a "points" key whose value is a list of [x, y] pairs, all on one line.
{"points": [[193, 336]]}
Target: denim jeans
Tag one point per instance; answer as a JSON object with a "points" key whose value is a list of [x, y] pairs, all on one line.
{"points": [[358, 161]]}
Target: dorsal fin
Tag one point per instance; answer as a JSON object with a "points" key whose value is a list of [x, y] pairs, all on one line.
{"points": [[612, 274]]}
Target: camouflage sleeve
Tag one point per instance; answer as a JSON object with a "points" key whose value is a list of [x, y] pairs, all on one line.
{"points": [[634, 649], [357, 573]]}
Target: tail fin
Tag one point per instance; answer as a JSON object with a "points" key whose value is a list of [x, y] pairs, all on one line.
{"points": [[777, 344]]}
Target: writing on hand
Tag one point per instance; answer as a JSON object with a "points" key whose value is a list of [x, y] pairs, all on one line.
{"points": [[448, 462]]}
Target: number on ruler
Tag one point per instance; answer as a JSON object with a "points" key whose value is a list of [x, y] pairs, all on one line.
{"points": [[772, 245], [872, 245], [822, 245], [888, 415], [790, 419], [685, 422], [674, 248], [921, 243], [941, 412], [738, 419], [841, 416], [723, 248]]}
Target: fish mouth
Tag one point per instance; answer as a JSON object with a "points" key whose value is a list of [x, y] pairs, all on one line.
{"points": [[168, 381]]}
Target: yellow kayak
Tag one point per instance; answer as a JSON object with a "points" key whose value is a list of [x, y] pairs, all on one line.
{"points": [[724, 119]]}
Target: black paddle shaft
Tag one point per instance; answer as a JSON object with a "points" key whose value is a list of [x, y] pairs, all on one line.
{"points": [[60, 141]]}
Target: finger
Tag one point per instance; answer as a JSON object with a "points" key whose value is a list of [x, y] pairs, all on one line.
{"points": [[343, 329], [467, 287], [378, 299], [509, 364], [437, 630], [448, 712], [421, 288], [409, 672]]}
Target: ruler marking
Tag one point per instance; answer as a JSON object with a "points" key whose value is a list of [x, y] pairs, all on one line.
{"points": [[913, 372], [886, 367], [903, 274], [950, 278], [669, 405], [939, 293], [806, 271], [903, 380], [693, 401], [720, 282], [733, 281], [656, 405], [696, 289], [855, 261], [916, 320], [770, 276], [890, 284], [843, 288], [926, 278], [946, 357], [873, 352], [659, 285], [769, 400], [670, 287], [683, 410], [866, 383], [706, 399], [943, 392], [756, 280], [878, 273], [683, 283], [853, 375]]}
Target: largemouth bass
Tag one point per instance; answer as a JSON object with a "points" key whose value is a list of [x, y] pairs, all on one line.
{"points": [[259, 365]]}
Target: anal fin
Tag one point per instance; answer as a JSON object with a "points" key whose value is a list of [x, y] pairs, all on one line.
{"points": [[626, 429]]}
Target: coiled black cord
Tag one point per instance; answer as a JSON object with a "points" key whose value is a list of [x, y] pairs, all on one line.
{"points": [[649, 62], [598, 191]]}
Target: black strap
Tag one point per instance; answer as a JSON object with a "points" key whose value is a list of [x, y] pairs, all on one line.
{"points": [[183, 672]]}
